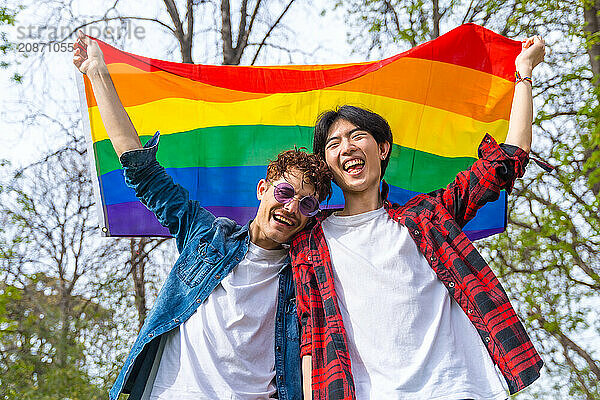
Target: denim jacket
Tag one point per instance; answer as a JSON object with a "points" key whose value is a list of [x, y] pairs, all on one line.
{"points": [[209, 249]]}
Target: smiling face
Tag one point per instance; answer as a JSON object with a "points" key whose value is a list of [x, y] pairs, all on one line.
{"points": [[354, 157], [276, 223]]}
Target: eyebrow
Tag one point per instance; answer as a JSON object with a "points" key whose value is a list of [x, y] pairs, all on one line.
{"points": [[351, 131], [302, 182]]}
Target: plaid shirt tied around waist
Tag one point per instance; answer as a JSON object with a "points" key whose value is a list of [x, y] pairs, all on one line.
{"points": [[435, 222]]}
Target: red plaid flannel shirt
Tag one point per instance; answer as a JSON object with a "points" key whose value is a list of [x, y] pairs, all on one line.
{"points": [[435, 222]]}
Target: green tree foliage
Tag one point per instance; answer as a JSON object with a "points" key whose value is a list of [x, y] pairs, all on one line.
{"points": [[550, 255], [381, 26], [62, 303], [549, 258], [71, 302], [7, 18], [43, 356]]}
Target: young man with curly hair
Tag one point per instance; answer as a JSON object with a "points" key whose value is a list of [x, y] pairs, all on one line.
{"points": [[394, 300], [224, 325]]}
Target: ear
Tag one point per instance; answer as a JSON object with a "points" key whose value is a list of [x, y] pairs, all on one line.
{"points": [[384, 149], [261, 188]]}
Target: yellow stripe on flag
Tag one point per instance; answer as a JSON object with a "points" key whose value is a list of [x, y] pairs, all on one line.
{"points": [[414, 125]]}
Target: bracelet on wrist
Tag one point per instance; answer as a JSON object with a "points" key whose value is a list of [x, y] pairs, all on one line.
{"points": [[519, 78]]}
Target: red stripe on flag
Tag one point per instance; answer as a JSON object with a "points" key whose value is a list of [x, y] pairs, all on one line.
{"points": [[469, 45]]}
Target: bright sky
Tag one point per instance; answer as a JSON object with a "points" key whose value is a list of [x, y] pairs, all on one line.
{"points": [[49, 91]]}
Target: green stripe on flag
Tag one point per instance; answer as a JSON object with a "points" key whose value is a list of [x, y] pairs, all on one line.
{"points": [[222, 146], [252, 145]]}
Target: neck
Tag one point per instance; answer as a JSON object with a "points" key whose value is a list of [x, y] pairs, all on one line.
{"points": [[258, 238], [361, 202]]}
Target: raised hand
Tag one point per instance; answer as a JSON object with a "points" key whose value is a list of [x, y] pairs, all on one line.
{"points": [[532, 53], [521, 113], [87, 56]]}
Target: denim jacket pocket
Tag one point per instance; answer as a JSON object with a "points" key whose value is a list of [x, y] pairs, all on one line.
{"points": [[292, 328], [197, 262]]}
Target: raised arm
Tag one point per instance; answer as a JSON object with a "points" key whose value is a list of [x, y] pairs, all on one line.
{"points": [[521, 114], [89, 60], [170, 203], [498, 165]]}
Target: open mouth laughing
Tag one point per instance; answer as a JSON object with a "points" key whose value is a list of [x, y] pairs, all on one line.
{"points": [[353, 166], [282, 219]]}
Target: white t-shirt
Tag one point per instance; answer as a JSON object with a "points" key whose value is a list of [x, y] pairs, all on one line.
{"points": [[407, 338], [225, 350]]}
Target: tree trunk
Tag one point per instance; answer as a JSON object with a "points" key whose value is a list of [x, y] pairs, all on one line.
{"points": [[592, 26], [138, 259], [226, 35], [184, 38], [187, 43], [436, 19]]}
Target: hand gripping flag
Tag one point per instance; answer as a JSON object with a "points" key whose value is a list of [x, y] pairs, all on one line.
{"points": [[220, 125]]}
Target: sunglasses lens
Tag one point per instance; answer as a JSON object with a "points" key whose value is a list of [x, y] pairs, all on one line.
{"points": [[309, 206], [284, 192]]}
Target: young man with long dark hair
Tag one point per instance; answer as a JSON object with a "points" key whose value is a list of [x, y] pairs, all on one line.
{"points": [[394, 300]]}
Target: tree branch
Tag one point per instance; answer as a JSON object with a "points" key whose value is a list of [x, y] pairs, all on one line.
{"points": [[391, 9], [113, 19], [580, 379], [174, 14], [271, 30], [566, 342], [243, 39], [242, 25]]}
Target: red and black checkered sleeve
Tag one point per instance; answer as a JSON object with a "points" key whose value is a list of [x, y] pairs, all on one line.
{"points": [[497, 168], [299, 251]]}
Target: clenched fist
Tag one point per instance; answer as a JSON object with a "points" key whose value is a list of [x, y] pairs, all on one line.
{"points": [[87, 56], [532, 53]]}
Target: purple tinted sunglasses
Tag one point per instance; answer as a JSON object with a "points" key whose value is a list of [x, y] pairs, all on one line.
{"points": [[284, 193]]}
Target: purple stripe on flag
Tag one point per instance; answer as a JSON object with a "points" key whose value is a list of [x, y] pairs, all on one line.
{"points": [[134, 219], [482, 233], [241, 215]]}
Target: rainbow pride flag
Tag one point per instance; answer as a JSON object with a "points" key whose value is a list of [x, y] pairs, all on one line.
{"points": [[221, 124]]}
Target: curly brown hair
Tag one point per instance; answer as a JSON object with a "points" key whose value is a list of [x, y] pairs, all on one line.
{"points": [[313, 168]]}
